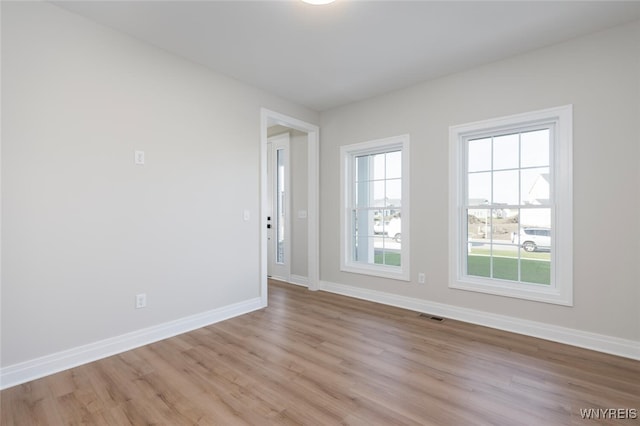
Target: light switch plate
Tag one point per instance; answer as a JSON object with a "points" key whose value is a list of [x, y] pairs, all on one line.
{"points": [[138, 157], [141, 300]]}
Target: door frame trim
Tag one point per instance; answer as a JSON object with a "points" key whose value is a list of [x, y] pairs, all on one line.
{"points": [[270, 118]]}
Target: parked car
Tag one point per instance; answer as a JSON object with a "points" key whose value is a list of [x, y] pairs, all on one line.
{"points": [[391, 228], [532, 239]]}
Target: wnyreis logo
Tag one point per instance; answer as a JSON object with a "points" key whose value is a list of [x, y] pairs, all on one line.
{"points": [[609, 413]]}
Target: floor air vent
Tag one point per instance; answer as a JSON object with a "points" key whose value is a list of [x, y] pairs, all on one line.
{"points": [[431, 317]]}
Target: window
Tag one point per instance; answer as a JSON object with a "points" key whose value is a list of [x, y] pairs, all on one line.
{"points": [[375, 206], [511, 204]]}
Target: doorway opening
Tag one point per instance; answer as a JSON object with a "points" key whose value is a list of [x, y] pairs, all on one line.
{"points": [[299, 202]]}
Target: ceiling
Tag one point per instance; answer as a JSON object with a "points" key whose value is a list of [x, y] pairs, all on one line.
{"points": [[326, 56]]}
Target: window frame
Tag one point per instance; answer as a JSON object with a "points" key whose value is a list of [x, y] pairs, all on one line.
{"points": [[560, 291], [348, 153]]}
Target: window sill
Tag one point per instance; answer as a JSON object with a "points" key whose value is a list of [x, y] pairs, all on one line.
{"points": [[533, 292], [376, 271]]}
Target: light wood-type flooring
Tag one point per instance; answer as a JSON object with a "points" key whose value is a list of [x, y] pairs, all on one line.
{"points": [[316, 358]]}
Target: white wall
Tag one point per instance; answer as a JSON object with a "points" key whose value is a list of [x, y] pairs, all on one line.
{"points": [[600, 76], [84, 229]]}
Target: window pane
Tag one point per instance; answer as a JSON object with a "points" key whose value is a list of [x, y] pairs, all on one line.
{"points": [[394, 165], [536, 218], [478, 224], [378, 193], [392, 258], [535, 148], [363, 225], [365, 250], [379, 249], [535, 230], [505, 187], [504, 225], [378, 166], [362, 168], [479, 157], [280, 206], [478, 265], [362, 194], [505, 152], [535, 270], [535, 186], [379, 257], [387, 251], [362, 233], [393, 227], [375, 250], [479, 188], [394, 193], [505, 262]]}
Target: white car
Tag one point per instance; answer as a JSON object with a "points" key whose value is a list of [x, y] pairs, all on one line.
{"points": [[532, 239], [391, 228]]}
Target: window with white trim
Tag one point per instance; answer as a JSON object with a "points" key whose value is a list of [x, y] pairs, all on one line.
{"points": [[375, 206], [511, 205]]}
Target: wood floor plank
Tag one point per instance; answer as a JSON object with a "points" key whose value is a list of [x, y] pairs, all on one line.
{"points": [[316, 358]]}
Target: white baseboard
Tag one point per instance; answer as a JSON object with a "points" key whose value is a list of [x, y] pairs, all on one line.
{"points": [[597, 342], [299, 280], [36, 368], [279, 278]]}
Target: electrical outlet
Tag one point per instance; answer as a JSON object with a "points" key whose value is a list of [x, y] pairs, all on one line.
{"points": [[141, 300], [421, 278]]}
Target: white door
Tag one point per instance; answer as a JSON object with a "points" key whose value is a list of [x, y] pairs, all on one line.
{"points": [[278, 215]]}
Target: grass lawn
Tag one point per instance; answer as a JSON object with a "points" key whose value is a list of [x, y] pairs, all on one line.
{"points": [[390, 258], [535, 267], [506, 268]]}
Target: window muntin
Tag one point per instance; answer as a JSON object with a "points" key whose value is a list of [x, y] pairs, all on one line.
{"points": [[511, 206], [375, 224]]}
